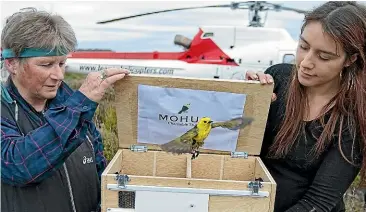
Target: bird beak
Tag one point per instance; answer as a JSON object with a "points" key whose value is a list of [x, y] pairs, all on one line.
{"points": [[210, 122]]}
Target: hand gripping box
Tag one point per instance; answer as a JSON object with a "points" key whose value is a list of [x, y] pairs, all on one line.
{"points": [[227, 176]]}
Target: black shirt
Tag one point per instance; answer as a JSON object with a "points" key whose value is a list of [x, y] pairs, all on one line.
{"points": [[305, 183]]}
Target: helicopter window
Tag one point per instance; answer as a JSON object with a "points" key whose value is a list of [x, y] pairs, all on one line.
{"points": [[208, 34], [288, 58]]}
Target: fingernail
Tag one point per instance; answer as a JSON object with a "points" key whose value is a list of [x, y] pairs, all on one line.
{"points": [[270, 80]]}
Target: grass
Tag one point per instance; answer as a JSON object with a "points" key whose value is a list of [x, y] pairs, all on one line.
{"points": [[106, 120]]}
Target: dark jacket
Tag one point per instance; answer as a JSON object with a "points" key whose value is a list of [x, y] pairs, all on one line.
{"points": [[51, 161]]}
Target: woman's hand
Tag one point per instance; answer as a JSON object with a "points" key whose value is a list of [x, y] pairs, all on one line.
{"points": [[262, 77], [96, 83]]}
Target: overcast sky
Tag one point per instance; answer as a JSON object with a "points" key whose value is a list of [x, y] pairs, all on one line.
{"points": [[153, 32]]}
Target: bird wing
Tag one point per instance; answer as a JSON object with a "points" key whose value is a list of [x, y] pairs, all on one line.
{"points": [[182, 144], [234, 124]]}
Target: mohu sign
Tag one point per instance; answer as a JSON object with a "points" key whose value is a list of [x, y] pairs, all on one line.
{"points": [[166, 113]]}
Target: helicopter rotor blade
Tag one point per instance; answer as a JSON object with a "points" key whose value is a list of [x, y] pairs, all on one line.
{"points": [[163, 11], [278, 7], [293, 9], [250, 5]]}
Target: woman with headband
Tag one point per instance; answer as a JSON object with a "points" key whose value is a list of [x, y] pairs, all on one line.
{"points": [[51, 152]]}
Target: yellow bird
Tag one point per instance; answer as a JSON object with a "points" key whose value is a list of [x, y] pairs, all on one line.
{"points": [[194, 138]]}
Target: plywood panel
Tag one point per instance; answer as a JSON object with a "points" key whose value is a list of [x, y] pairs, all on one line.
{"points": [[115, 164], [109, 198], [206, 167], [261, 170], [238, 168], [138, 163], [257, 105], [168, 165]]}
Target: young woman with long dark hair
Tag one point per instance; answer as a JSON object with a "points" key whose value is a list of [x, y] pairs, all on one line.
{"points": [[314, 144]]}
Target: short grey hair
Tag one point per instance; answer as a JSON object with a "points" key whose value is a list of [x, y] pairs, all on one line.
{"points": [[37, 29]]}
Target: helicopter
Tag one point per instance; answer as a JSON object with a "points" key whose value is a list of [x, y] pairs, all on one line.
{"points": [[225, 52]]}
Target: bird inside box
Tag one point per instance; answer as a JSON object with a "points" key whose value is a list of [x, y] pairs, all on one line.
{"points": [[228, 175], [194, 138]]}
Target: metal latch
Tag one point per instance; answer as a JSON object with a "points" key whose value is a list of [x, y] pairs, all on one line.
{"points": [[122, 180], [239, 155], [254, 186], [138, 148]]}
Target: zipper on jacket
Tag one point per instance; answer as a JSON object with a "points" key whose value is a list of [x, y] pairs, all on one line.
{"points": [[16, 112], [16, 115], [70, 188], [91, 144]]}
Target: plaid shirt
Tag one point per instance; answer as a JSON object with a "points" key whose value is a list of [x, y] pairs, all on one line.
{"points": [[32, 157]]}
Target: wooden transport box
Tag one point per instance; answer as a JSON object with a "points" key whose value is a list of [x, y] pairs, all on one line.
{"points": [[142, 178]]}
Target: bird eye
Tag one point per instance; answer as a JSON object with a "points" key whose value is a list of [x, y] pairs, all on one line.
{"points": [[204, 121]]}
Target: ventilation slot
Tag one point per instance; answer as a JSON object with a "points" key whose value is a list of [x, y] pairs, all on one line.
{"points": [[126, 199]]}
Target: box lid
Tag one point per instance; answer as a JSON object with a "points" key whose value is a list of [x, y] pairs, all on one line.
{"points": [[258, 99]]}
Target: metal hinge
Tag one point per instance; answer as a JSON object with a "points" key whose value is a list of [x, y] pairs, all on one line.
{"points": [[239, 155], [138, 148], [254, 186], [122, 180]]}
